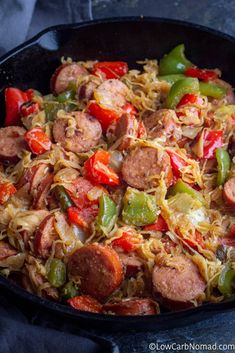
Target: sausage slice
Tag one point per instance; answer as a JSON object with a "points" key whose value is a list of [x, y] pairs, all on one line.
{"points": [[11, 142], [65, 74], [143, 166], [99, 269], [178, 285], [229, 191], [111, 93], [43, 189], [126, 125], [132, 264], [132, 307], [44, 236], [162, 123], [84, 135]]}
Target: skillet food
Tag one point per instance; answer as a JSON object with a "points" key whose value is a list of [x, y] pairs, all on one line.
{"points": [[117, 189]]}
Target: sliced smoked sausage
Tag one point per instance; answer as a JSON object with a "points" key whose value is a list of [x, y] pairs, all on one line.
{"points": [[135, 306], [179, 284], [229, 191], [11, 142], [141, 169], [84, 134], [99, 269], [126, 125], [162, 123], [111, 93], [44, 236], [65, 74]]}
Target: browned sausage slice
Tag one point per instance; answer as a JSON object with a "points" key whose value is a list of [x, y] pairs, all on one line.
{"points": [[6, 250], [65, 74], [85, 303], [111, 93], [229, 191], [86, 134], [162, 123], [180, 284], [126, 125], [136, 306], [11, 142], [43, 189], [143, 166], [132, 264], [44, 236], [99, 269], [86, 91]]}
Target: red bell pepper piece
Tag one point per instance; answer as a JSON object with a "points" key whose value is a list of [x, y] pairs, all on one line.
{"points": [[29, 108], [176, 163], [198, 240], [14, 98], [129, 109], [110, 69], [37, 140], [159, 225], [82, 217], [212, 139], [189, 99], [85, 303], [204, 75], [6, 190], [97, 170], [127, 242], [103, 115]]}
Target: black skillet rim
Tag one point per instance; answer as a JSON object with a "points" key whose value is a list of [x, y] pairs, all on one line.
{"points": [[66, 310]]}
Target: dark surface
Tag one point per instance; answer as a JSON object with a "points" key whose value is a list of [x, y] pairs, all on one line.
{"points": [[216, 14]]}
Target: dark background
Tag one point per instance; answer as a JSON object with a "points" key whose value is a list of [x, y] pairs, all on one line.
{"points": [[20, 20]]}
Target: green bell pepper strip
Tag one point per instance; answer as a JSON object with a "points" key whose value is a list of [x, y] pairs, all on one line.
{"points": [[211, 90], [65, 96], [62, 196], [69, 290], [174, 62], [181, 187], [224, 162], [226, 280], [139, 208], [107, 214], [57, 273], [171, 79], [179, 89]]}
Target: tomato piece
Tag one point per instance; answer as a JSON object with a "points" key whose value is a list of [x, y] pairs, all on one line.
{"points": [[110, 69], [188, 99], [103, 115], [6, 190], [85, 303], [29, 108], [129, 109], [160, 225], [97, 170], [14, 98], [82, 217], [176, 163], [211, 140], [127, 242], [37, 140], [201, 74]]}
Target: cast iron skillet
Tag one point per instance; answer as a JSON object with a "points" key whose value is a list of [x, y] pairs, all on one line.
{"points": [[128, 39]]}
